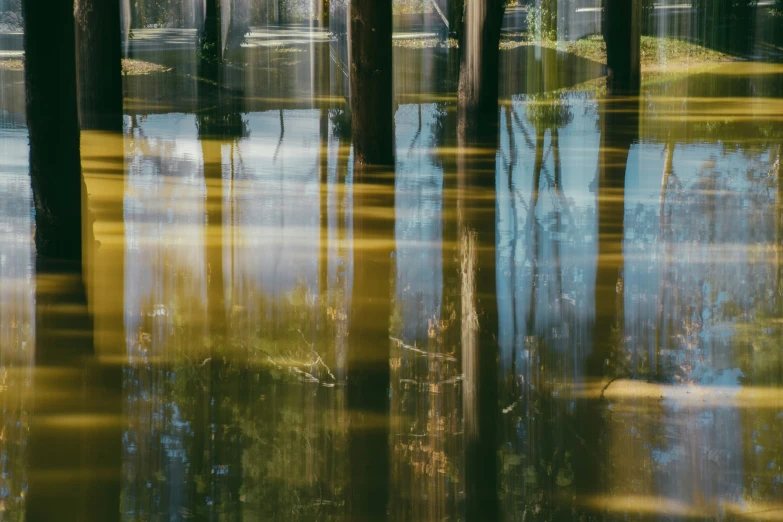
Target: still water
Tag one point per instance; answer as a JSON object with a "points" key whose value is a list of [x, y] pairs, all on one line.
{"points": [[634, 262]]}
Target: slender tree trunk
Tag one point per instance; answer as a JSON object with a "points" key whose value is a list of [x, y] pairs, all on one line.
{"points": [[479, 61], [369, 345], [476, 211], [622, 33], [372, 81], [99, 55], [53, 125]]}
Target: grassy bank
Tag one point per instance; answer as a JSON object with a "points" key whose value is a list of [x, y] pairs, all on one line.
{"points": [[130, 66], [658, 54]]}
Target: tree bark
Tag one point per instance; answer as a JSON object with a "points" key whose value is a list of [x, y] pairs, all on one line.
{"points": [[372, 78], [53, 125], [479, 60], [369, 345], [99, 65], [622, 33]]}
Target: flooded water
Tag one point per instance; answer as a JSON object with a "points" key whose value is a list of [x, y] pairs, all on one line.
{"points": [[626, 255]]}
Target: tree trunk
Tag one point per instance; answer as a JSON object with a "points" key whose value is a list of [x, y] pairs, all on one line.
{"points": [[476, 212], [53, 125], [454, 11], [622, 33], [372, 82], [479, 60], [369, 345], [99, 55], [210, 42], [322, 13]]}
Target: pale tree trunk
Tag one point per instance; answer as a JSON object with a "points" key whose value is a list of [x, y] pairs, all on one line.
{"points": [[479, 62], [372, 81]]}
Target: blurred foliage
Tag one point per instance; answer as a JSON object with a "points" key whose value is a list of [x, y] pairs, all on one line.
{"points": [[727, 25], [542, 20], [11, 15], [157, 13], [279, 11], [411, 6], [549, 110], [222, 123]]}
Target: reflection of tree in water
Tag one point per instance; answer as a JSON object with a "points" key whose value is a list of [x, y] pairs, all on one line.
{"points": [[710, 281], [291, 426], [759, 353], [222, 123], [287, 323], [426, 387], [164, 316], [728, 25], [17, 340], [538, 464], [191, 452]]}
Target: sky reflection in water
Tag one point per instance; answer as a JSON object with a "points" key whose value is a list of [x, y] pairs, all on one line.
{"points": [[234, 405]]}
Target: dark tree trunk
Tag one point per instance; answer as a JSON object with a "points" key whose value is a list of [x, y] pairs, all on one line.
{"points": [[99, 55], [368, 345], [210, 42], [454, 12], [622, 33], [53, 124], [476, 211], [372, 82], [479, 61]]}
